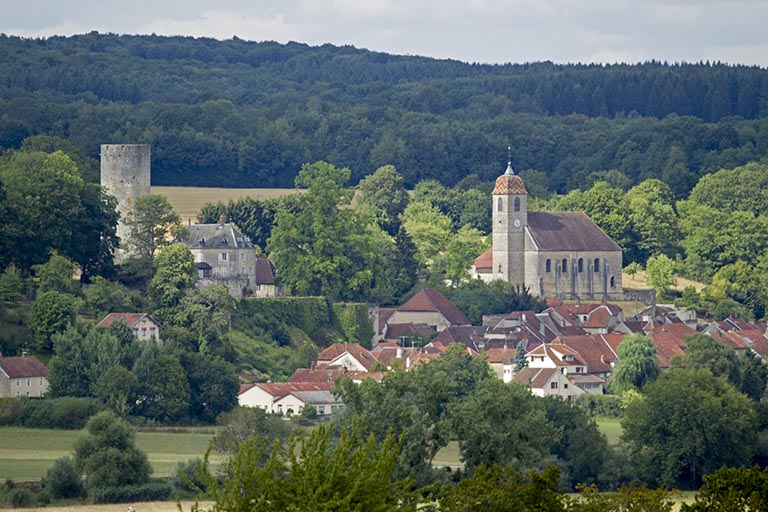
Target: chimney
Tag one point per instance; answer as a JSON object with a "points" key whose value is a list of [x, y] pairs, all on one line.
{"points": [[399, 354]]}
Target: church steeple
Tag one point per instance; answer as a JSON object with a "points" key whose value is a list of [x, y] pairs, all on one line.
{"points": [[510, 217]]}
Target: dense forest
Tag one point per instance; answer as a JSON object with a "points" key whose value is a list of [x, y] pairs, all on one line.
{"points": [[245, 114]]}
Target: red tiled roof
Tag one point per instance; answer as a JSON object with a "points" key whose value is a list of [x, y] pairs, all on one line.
{"points": [[281, 389], [754, 340], [429, 299], [598, 319], [669, 340], [354, 349], [384, 314], [129, 318], [594, 349], [535, 377], [24, 366], [499, 355], [485, 260], [509, 183], [265, 271], [397, 331]]}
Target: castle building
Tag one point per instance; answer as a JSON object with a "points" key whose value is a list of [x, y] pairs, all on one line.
{"points": [[554, 254]]}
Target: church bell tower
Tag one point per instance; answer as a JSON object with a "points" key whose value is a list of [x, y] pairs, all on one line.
{"points": [[510, 216]]}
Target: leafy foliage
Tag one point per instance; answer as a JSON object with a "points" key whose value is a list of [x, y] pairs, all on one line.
{"points": [[637, 364]]}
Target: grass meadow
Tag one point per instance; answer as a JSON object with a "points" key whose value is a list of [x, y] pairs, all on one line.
{"points": [[187, 201], [25, 453]]}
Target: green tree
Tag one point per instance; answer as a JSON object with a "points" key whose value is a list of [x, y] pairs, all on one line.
{"points": [[705, 352], [56, 275], [324, 248], [163, 391], [116, 389], [175, 274], [504, 489], [660, 273], [11, 283], [654, 219], [213, 385], [314, 473], [107, 455], [731, 490], [742, 283], [151, 225], [429, 229], [62, 480], [687, 424], [753, 376], [632, 269], [52, 312], [243, 423], [501, 424], [462, 249], [638, 364], [103, 296], [383, 192]]}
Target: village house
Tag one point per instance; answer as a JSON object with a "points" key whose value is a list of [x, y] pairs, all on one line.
{"points": [[427, 307], [22, 376], [548, 382], [290, 398], [144, 327], [224, 256]]}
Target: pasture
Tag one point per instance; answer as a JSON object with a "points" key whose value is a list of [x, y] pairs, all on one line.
{"points": [[26, 453], [187, 201]]}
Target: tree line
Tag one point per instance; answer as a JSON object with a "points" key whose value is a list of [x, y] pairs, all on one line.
{"points": [[244, 114]]}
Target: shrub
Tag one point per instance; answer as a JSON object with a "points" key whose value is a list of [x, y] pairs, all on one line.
{"points": [[20, 497], [62, 480], [68, 413], [190, 476], [154, 491], [9, 410], [606, 406]]}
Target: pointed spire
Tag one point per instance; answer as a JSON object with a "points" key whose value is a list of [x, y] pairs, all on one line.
{"points": [[509, 171]]}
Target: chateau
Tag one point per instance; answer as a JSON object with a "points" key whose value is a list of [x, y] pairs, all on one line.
{"points": [[554, 254]]}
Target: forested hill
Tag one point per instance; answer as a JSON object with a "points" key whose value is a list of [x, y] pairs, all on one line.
{"points": [[243, 114]]}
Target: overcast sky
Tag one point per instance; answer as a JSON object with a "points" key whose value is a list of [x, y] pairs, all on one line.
{"points": [[488, 31]]}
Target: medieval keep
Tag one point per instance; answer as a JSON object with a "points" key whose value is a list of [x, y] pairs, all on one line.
{"points": [[554, 254]]}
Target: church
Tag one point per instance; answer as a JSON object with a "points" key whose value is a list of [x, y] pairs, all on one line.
{"points": [[554, 254]]}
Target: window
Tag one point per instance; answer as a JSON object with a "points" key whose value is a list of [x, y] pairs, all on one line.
{"points": [[41, 381], [18, 383], [29, 382], [565, 386], [499, 205], [597, 265], [517, 204], [242, 257], [578, 369], [548, 266], [224, 256], [581, 265], [321, 408], [553, 385], [564, 266], [613, 282], [136, 332], [152, 332]]}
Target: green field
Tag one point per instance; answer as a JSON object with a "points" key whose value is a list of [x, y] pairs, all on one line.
{"points": [[611, 428], [25, 453]]}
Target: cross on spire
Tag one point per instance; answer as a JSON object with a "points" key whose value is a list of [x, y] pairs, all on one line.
{"points": [[509, 171]]}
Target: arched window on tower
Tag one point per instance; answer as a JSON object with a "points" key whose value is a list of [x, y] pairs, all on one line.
{"points": [[564, 266], [517, 204], [499, 205], [548, 266], [613, 282], [597, 265], [581, 265]]}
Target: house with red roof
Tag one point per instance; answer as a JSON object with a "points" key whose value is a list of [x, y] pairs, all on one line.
{"points": [[548, 382], [349, 356], [429, 307], [669, 339], [289, 398], [592, 318], [144, 327], [22, 376], [568, 362]]}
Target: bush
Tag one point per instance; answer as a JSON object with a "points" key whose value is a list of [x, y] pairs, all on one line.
{"points": [[67, 413], [606, 406], [62, 480], [189, 476], [9, 410], [20, 497], [155, 491]]}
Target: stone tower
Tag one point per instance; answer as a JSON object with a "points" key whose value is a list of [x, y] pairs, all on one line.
{"points": [[125, 173], [510, 216]]}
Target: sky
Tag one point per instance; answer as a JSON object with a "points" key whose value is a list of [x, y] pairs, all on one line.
{"points": [[483, 31]]}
